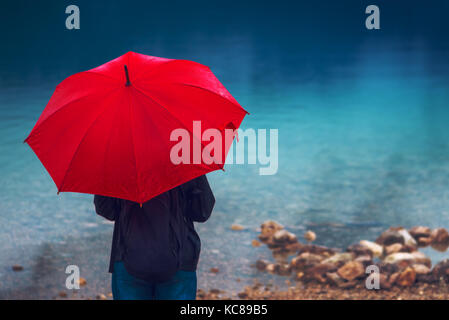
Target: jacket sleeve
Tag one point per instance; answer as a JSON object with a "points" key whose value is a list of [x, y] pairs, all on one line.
{"points": [[200, 199], [107, 207]]}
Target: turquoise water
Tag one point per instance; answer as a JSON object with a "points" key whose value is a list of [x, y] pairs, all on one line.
{"points": [[363, 145]]}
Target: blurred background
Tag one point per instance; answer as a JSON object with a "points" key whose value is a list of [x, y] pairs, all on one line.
{"points": [[362, 117]]}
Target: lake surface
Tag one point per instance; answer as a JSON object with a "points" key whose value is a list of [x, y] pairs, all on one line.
{"points": [[362, 119]]}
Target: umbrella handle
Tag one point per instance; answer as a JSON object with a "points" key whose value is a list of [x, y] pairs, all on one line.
{"points": [[128, 83]]}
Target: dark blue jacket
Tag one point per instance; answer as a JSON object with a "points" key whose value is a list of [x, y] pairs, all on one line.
{"points": [[194, 198]]}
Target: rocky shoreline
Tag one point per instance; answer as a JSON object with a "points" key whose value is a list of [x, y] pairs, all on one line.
{"points": [[316, 291], [319, 272]]}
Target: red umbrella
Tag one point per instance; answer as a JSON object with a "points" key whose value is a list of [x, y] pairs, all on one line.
{"points": [[107, 131]]}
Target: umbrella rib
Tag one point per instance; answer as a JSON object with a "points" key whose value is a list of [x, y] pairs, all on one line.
{"points": [[108, 144], [211, 92], [82, 139], [174, 117], [133, 144], [61, 108]]}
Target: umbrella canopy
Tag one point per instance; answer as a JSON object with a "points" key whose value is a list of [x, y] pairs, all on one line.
{"points": [[108, 131]]}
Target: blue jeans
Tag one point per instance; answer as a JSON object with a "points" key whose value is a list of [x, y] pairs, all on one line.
{"points": [[127, 287]]}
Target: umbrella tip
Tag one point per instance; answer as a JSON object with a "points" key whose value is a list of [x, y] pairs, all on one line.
{"points": [[128, 83]]}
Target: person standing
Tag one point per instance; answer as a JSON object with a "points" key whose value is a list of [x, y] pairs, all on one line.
{"points": [[155, 248]]}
